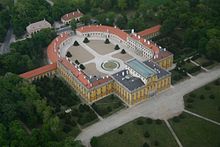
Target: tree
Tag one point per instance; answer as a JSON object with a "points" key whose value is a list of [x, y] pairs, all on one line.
{"points": [[86, 40], [146, 134], [76, 43], [94, 141], [123, 51], [77, 62], [81, 66], [213, 49], [107, 41], [73, 25], [146, 144], [117, 47], [122, 4], [68, 54], [121, 21]]}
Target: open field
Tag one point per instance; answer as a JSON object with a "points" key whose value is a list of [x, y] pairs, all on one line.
{"points": [[80, 54], [100, 47], [195, 132], [205, 101], [123, 57], [136, 133]]}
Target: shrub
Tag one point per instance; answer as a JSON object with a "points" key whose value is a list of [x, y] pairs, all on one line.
{"points": [[217, 82], [107, 41], [67, 128], [189, 106], [109, 109], [77, 62], [94, 141], [149, 120], [182, 116], [189, 100], [212, 96], [140, 122], [81, 66], [192, 95], [218, 108], [68, 54], [176, 119], [158, 121], [123, 51], [117, 47], [156, 143], [146, 134], [202, 97], [146, 144], [120, 131], [86, 40], [207, 88], [76, 43]]}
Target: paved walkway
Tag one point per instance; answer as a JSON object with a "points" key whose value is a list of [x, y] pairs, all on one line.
{"points": [[173, 133], [202, 117], [164, 106]]}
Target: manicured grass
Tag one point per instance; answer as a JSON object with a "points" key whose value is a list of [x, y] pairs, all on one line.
{"points": [[205, 101], [190, 68], [108, 105], [132, 135], [203, 61], [195, 132]]}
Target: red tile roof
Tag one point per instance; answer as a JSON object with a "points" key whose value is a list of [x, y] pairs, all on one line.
{"points": [[71, 15], [151, 45], [162, 55], [149, 31], [101, 28], [52, 49], [81, 76], [39, 71]]}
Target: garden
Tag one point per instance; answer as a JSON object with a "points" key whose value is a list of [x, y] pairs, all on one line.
{"points": [[108, 105], [66, 104], [205, 101], [137, 133], [195, 132]]}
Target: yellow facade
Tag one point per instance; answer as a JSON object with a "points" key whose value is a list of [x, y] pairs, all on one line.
{"points": [[152, 86], [166, 62]]}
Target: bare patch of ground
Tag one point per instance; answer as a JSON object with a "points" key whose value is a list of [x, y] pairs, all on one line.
{"points": [[123, 57], [80, 54], [100, 47], [92, 70]]}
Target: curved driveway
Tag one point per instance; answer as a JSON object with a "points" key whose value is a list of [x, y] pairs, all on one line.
{"points": [[163, 106]]}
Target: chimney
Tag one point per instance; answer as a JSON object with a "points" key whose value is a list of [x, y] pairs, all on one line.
{"points": [[139, 37], [132, 31], [123, 74], [73, 13], [148, 42], [144, 40]]}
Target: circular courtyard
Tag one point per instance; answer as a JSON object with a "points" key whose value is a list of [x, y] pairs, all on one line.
{"points": [[110, 65]]}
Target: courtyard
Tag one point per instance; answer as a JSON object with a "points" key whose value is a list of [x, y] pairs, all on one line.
{"points": [[100, 47]]}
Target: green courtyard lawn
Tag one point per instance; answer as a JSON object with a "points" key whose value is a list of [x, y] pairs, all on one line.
{"points": [[108, 105], [195, 132], [205, 101], [135, 134], [177, 76]]}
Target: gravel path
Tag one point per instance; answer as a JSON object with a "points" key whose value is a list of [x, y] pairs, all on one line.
{"points": [[163, 106]]}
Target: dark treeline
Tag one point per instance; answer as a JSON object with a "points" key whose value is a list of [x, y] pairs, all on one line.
{"points": [[26, 118], [191, 25], [28, 54]]}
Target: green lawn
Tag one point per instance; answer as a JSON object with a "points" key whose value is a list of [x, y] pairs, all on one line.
{"points": [[203, 61], [205, 101], [133, 135], [195, 132], [191, 68], [108, 105]]}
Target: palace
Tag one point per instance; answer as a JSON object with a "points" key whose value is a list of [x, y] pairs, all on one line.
{"points": [[137, 81]]}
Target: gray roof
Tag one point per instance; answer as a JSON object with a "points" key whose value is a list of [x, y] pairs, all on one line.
{"points": [[141, 68], [127, 80], [160, 71]]}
